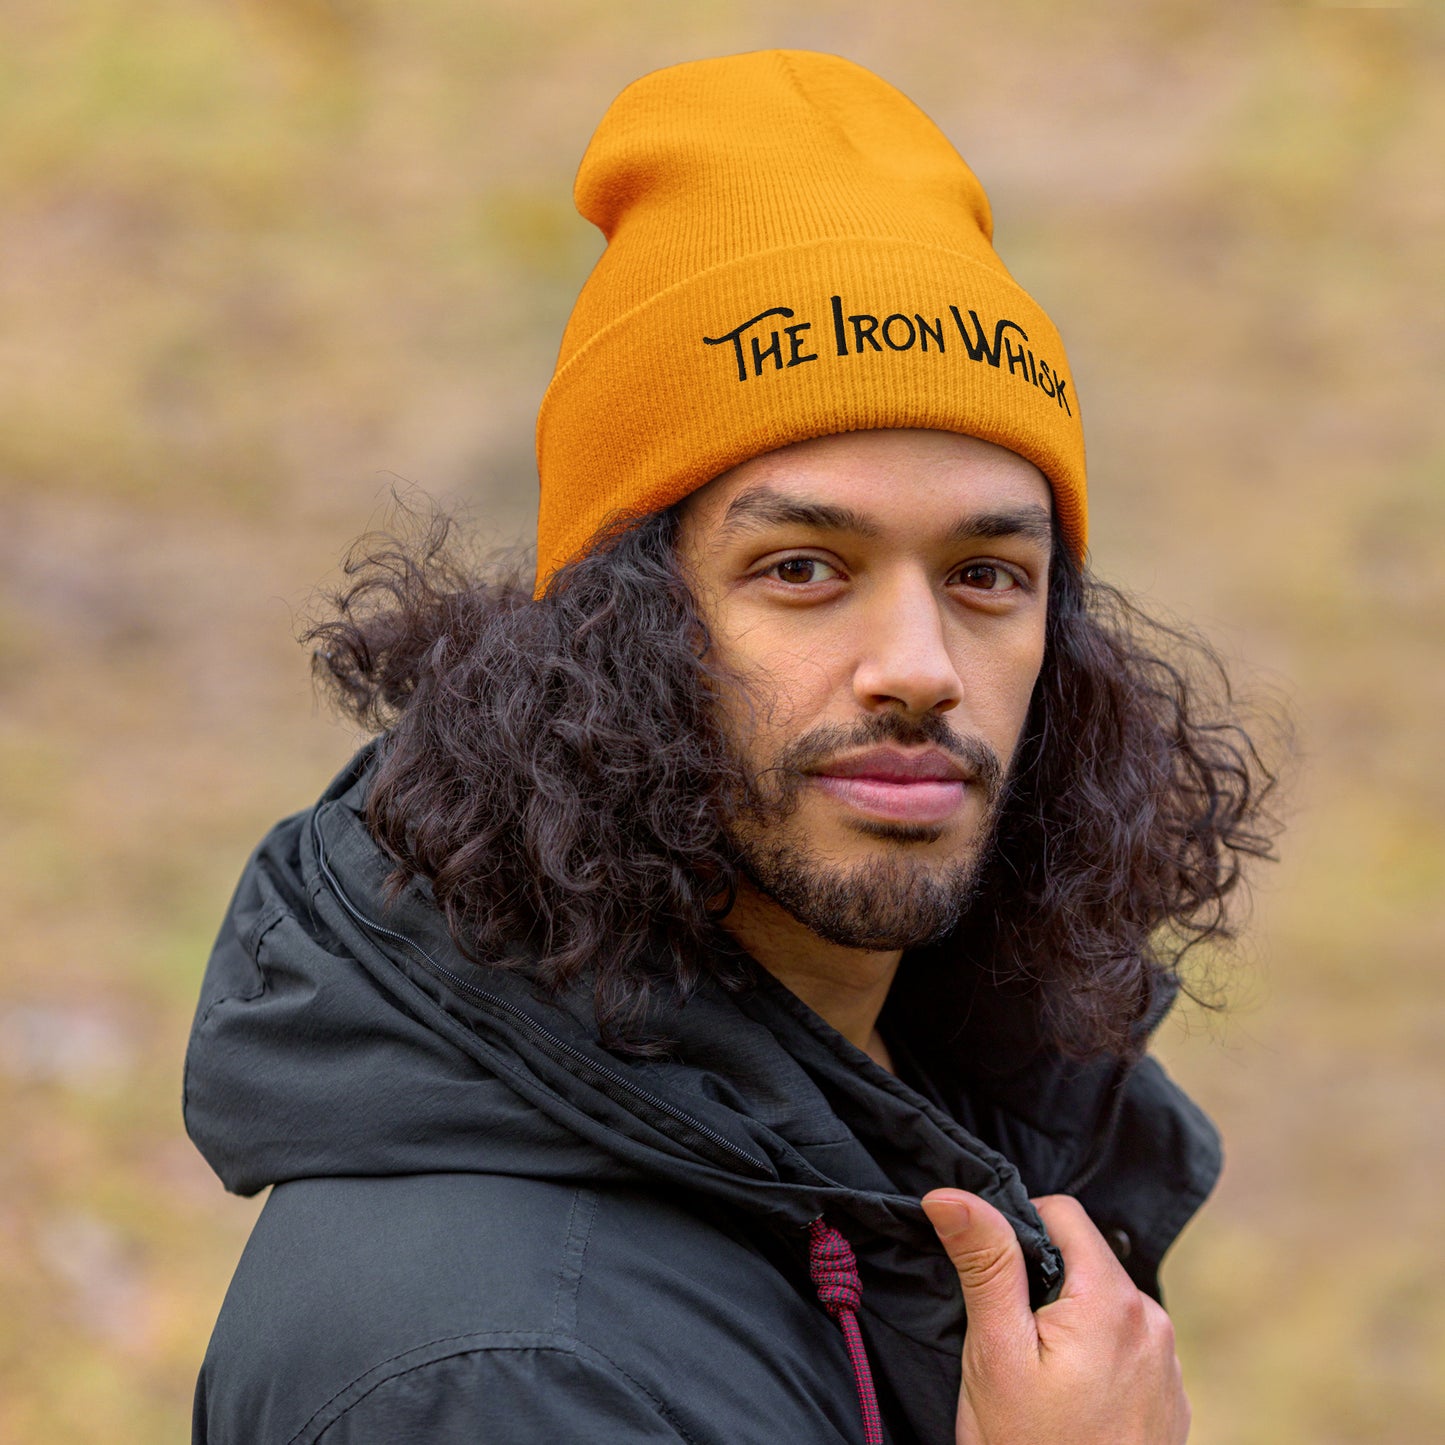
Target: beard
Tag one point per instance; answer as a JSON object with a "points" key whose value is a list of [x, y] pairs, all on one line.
{"points": [[899, 899], [885, 903]]}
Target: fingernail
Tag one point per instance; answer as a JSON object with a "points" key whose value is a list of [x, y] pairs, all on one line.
{"points": [[954, 1209]]}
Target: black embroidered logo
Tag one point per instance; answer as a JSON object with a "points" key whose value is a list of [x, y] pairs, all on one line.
{"points": [[862, 334], [773, 349]]}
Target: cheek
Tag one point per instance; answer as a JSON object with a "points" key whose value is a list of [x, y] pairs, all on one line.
{"points": [[998, 689], [780, 691], [1025, 684], [1024, 663]]}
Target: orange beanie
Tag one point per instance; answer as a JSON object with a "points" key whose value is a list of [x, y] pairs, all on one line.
{"points": [[793, 250]]}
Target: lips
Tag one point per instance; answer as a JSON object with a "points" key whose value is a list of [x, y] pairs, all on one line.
{"points": [[889, 766], [920, 788]]}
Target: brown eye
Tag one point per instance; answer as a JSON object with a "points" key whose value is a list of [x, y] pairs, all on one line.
{"points": [[800, 570], [986, 578]]}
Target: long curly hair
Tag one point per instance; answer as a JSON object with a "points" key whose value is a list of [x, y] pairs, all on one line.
{"points": [[553, 769]]}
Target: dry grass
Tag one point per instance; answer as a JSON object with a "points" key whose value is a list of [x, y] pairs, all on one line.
{"points": [[260, 259]]}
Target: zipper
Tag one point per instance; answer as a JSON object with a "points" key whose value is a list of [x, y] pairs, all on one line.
{"points": [[539, 1031]]}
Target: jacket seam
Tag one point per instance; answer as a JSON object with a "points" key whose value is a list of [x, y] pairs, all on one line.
{"points": [[381, 1365], [265, 921], [251, 942], [574, 1255], [486, 1343]]}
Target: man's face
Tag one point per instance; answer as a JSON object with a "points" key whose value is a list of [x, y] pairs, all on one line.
{"points": [[881, 595]]}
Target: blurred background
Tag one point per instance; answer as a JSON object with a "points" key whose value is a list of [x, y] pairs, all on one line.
{"points": [[260, 263]]}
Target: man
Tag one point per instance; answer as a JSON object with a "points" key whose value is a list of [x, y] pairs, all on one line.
{"points": [[659, 1032]]}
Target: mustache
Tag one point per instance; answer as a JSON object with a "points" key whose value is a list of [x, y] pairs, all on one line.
{"points": [[807, 753]]}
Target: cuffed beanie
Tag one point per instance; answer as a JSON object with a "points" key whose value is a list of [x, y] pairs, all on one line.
{"points": [[793, 250]]}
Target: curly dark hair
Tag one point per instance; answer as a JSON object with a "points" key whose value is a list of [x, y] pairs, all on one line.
{"points": [[554, 770]]}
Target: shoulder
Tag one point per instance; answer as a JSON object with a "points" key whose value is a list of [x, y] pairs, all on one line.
{"points": [[502, 1385], [353, 1293], [427, 1306]]}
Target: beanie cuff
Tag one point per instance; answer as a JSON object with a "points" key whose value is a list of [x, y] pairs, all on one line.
{"points": [[845, 334]]}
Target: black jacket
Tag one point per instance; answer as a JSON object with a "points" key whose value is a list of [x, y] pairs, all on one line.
{"points": [[485, 1227]]}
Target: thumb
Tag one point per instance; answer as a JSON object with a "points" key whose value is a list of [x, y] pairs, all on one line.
{"points": [[984, 1250]]}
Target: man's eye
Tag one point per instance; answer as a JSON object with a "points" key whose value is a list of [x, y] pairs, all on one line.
{"points": [[984, 577], [799, 570]]}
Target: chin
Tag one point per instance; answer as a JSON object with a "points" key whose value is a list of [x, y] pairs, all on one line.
{"points": [[858, 839]]}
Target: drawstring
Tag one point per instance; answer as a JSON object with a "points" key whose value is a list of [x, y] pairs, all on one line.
{"points": [[840, 1291]]}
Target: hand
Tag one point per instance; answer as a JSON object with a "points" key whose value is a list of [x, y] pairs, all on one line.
{"points": [[1095, 1367]]}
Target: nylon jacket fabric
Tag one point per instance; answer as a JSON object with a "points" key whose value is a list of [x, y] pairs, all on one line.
{"points": [[485, 1226]]}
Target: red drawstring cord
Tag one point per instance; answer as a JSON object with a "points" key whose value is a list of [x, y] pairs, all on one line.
{"points": [[835, 1276]]}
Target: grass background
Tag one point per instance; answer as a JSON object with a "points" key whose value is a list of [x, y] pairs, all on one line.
{"points": [[260, 261]]}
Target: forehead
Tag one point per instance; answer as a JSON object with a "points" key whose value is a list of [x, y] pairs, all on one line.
{"points": [[893, 481]]}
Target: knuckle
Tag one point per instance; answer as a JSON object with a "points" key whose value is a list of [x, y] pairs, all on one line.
{"points": [[1133, 1314], [985, 1267], [1158, 1324]]}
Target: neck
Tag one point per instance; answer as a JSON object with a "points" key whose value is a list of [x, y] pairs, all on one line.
{"points": [[845, 987]]}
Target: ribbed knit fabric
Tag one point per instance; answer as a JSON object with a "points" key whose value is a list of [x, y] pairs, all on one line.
{"points": [[794, 250], [835, 1276]]}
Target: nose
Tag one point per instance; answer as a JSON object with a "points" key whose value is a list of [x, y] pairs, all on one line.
{"points": [[903, 655]]}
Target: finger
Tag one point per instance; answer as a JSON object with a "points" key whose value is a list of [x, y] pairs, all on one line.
{"points": [[984, 1250], [1089, 1263]]}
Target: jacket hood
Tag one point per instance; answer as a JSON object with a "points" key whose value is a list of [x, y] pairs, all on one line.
{"points": [[339, 1034]]}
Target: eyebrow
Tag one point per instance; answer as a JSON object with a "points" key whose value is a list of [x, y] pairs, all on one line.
{"points": [[760, 507], [1033, 522]]}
